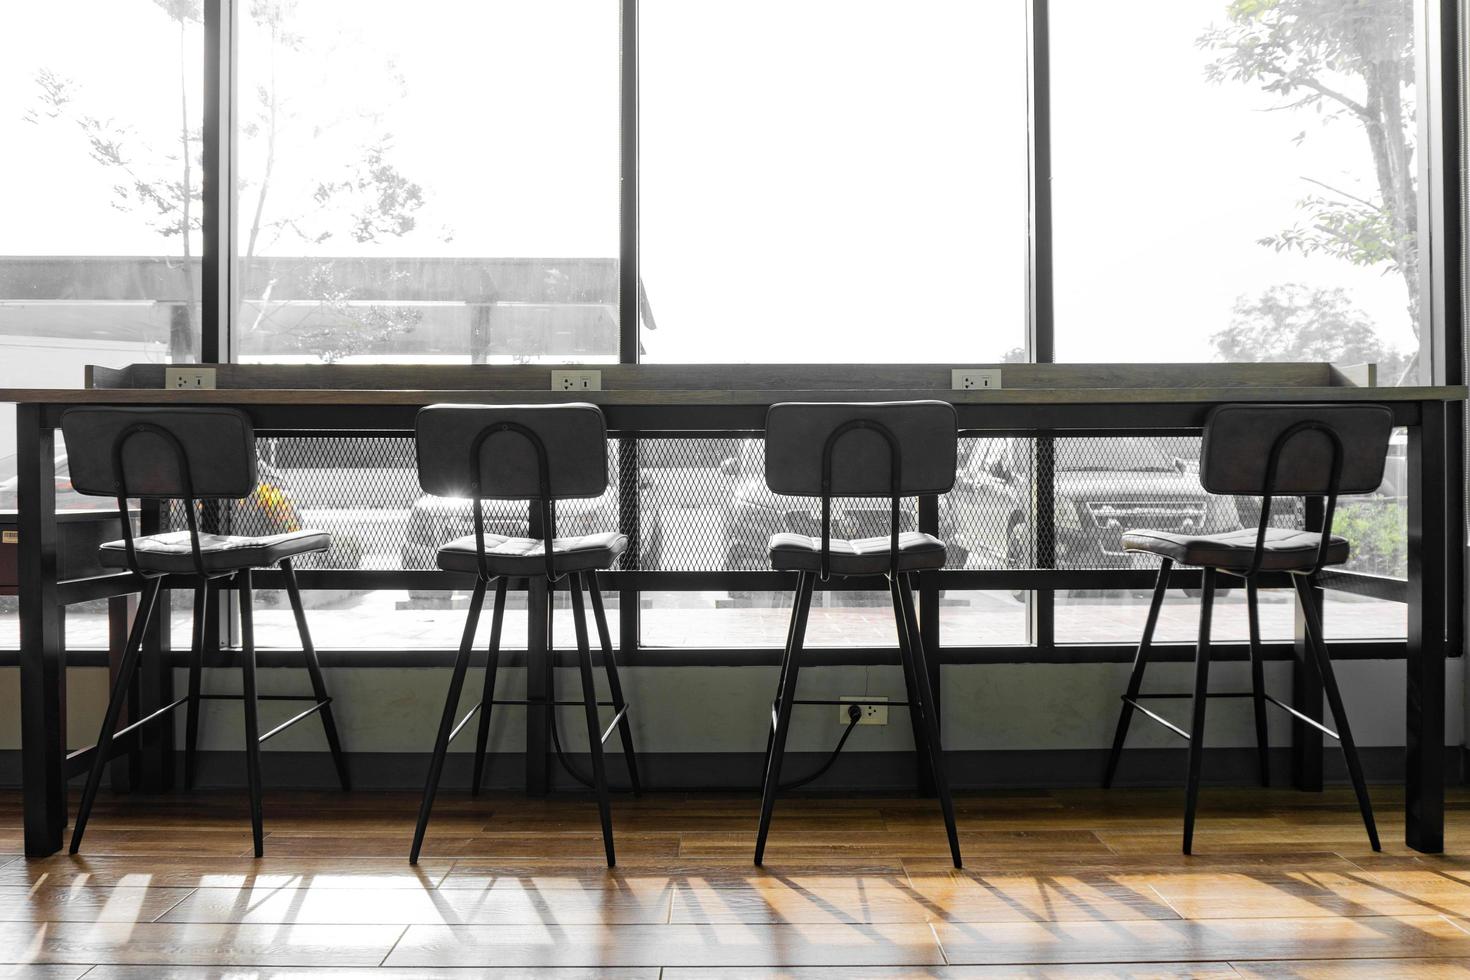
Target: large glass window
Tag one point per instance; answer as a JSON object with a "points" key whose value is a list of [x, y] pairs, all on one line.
{"points": [[1236, 181], [434, 184], [820, 178], [1247, 191], [100, 234]]}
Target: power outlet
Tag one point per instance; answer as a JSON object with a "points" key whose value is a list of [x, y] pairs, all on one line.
{"points": [[873, 714], [576, 380], [188, 378], [973, 379]]}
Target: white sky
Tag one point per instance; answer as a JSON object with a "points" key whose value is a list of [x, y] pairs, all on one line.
{"points": [[818, 177]]}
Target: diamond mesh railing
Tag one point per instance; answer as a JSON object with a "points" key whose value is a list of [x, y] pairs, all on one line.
{"points": [[702, 504]]}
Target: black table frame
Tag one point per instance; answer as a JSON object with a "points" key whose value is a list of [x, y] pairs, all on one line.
{"points": [[46, 766]]}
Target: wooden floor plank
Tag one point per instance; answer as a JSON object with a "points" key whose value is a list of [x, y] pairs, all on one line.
{"points": [[502, 905], [841, 899], [40, 971], [1408, 969], [1296, 894], [731, 946], [379, 973], [199, 944], [1090, 971], [233, 872], [82, 902], [1144, 940]]}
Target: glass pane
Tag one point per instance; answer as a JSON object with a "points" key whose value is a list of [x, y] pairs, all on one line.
{"points": [[1107, 486], [433, 187], [821, 177], [1236, 182], [100, 239]]}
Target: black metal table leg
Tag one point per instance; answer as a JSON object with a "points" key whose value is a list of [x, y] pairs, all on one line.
{"points": [[41, 645], [1424, 691]]}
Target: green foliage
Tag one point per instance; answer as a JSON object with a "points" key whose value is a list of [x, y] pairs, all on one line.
{"points": [[1375, 526], [1293, 322], [1349, 61]]}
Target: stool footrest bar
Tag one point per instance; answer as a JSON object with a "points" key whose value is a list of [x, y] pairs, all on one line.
{"points": [[1189, 695], [614, 723], [287, 724], [1303, 718], [1158, 718]]}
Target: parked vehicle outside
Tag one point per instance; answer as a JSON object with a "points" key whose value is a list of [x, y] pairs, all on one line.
{"points": [[1103, 487]]}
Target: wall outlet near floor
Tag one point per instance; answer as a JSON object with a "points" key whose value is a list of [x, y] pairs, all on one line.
{"points": [[973, 379], [576, 380], [188, 378], [873, 714]]}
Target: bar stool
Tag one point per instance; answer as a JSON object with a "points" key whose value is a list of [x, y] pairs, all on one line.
{"points": [[540, 453], [855, 449], [1266, 450], [189, 455]]}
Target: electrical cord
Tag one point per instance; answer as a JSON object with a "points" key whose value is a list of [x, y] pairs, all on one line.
{"points": [[854, 715]]}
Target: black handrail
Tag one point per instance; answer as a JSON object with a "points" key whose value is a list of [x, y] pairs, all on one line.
{"points": [[1269, 490], [543, 483], [895, 472]]}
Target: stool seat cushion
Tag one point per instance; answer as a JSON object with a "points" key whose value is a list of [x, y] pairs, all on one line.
{"points": [[171, 551], [527, 556], [856, 556], [1285, 550]]}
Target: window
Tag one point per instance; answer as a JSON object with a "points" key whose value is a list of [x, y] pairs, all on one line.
{"points": [[821, 177], [434, 184], [1236, 182]]}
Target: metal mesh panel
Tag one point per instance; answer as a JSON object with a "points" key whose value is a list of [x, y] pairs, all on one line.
{"points": [[703, 504], [365, 492], [705, 507]]}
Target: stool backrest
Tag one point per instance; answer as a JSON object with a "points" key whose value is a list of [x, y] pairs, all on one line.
{"points": [[1318, 450], [173, 453], [540, 453], [186, 454], [861, 449]]}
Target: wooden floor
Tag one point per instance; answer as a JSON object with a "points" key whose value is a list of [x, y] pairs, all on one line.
{"points": [[1069, 884]]}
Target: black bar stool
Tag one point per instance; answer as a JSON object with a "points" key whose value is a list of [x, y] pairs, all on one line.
{"points": [[878, 449], [540, 453], [189, 455], [1270, 451]]}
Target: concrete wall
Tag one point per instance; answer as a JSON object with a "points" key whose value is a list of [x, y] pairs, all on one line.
{"points": [[702, 710]]}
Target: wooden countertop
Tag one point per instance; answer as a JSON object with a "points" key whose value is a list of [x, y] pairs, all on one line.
{"points": [[706, 396]]}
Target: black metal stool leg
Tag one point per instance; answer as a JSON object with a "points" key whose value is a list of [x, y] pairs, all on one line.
{"points": [[594, 727], [203, 595], [252, 722], [919, 666], [492, 667], [1201, 697], [910, 683], [799, 611], [780, 679], [314, 670], [1258, 679], [120, 685], [446, 723], [1135, 679], [614, 683], [1318, 642]]}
